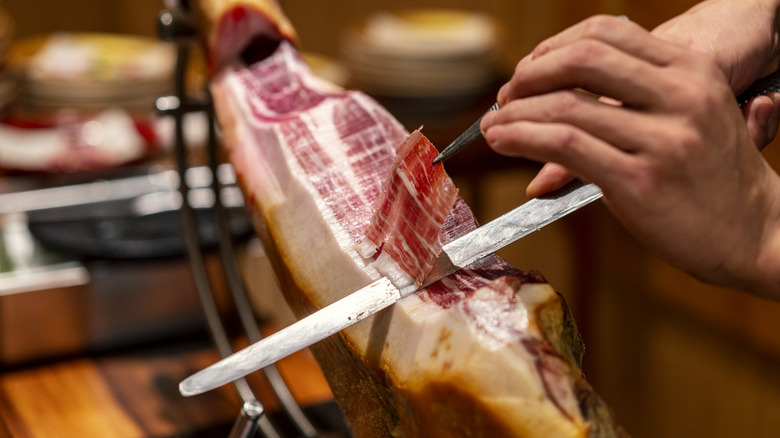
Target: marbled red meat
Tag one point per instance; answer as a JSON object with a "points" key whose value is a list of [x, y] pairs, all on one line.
{"points": [[403, 235]]}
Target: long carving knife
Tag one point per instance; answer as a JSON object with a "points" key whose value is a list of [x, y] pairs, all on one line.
{"points": [[380, 294]]}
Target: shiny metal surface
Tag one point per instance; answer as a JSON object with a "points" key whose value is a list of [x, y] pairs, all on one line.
{"points": [[157, 180], [469, 135], [175, 24], [510, 227], [314, 328]]}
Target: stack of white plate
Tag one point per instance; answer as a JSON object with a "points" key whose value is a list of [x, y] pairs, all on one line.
{"points": [[84, 70], [7, 81], [422, 53]]}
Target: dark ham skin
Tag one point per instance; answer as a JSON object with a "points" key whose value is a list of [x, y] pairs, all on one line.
{"points": [[490, 351], [240, 28]]}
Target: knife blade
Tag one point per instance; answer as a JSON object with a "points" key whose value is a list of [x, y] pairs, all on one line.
{"points": [[457, 254]]}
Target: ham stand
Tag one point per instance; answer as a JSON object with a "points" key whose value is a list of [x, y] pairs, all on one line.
{"points": [[175, 26]]}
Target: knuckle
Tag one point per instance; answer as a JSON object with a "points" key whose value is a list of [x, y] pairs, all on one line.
{"points": [[597, 25], [645, 177], [688, 140], [693, 96], [585, 54], [687, 93], [566, 142], [563, 106], [541, 48], [684, 142]]}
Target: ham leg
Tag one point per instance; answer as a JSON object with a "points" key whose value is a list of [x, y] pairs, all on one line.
{"points": [[489, 351]]}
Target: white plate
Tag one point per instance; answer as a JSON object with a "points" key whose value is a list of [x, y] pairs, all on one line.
{"points": [[92, 68], [422, 53]]}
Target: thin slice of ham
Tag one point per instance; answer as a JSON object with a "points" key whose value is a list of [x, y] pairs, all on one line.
{"points": [[402, 238], [488, 351]]}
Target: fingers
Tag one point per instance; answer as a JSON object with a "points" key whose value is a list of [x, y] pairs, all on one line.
{"points": [[598, 118], [762, 115], [589, 65], [604, 55], [571, 147], [615, 31], [551, 177]]}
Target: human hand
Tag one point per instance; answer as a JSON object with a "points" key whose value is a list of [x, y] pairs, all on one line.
{"points": [[762, 116], [675, 159], [717, 28]]}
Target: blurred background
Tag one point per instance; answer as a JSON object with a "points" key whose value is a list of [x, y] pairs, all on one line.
{"points": [[673, 357]]}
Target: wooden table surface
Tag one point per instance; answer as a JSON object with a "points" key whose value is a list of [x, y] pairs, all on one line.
{"points": [[134, 393]]}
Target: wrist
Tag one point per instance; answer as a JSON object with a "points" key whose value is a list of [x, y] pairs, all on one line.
{"points": [[766, 281]]}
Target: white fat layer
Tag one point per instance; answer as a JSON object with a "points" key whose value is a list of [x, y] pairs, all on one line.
{"points": [[390, 269], [314, 120], [249, 160], [312, 243], [366, 249], [427, 343]]}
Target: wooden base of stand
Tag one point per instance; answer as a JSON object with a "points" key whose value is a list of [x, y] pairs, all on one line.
{"points": [[134, 393]]}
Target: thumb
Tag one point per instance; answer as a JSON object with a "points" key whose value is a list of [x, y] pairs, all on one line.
{"points": [[551, 177], [762, 115]]}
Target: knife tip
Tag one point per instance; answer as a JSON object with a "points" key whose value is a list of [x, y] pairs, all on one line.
{"points": [[186, 389], [194, 385]]}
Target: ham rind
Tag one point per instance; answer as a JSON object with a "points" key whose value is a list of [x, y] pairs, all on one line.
{"points": [[231, 28], [402, 238], [489, 351]]}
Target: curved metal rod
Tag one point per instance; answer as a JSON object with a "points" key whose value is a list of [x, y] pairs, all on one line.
{"points": [[239, 293], [192, 237], [190, 231], [175, 26]]}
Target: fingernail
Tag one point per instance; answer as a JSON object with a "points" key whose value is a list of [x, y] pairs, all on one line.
{"points": [[491, 135], [501, 98], [487, 121], [764, 114]]}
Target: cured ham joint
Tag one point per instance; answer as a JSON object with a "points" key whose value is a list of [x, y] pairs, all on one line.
{"points": [[335, 189]]}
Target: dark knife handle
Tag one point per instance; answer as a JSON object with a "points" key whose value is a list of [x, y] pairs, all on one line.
{"points": [[761, 87]]}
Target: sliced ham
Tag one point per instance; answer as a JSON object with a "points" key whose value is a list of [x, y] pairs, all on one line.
{"points": [[402, 239], [489, 351]]}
